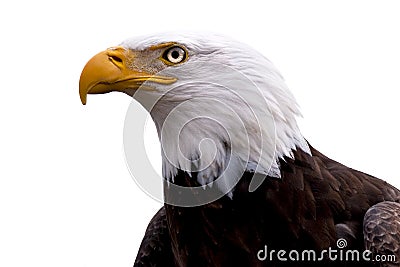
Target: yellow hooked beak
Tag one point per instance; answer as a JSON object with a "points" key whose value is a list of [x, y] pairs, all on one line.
{"points": [[110, 71]]}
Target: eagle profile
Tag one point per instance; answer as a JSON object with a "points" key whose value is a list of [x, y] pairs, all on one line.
{"points": [[239, 175]]}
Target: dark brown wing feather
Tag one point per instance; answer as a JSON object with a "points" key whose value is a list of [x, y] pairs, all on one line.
{"points": [[155, 249], [382, 232], [316, 201]]}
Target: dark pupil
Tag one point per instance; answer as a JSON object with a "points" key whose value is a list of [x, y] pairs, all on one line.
{"points": [[175, 54]]}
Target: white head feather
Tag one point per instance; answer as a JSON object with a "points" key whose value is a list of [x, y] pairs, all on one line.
{"points": [[229, 107]]}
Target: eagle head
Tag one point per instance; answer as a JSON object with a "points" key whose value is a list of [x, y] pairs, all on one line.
{"points": [[220, 107]]}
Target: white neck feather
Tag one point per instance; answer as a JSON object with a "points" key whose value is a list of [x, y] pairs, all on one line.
{"points": [[230, 107]]}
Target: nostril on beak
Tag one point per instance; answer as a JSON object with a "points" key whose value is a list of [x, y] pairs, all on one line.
{"points": [[116, 59]]}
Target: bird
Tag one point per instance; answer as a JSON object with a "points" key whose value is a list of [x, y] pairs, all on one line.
{"points": [[242, 186]]}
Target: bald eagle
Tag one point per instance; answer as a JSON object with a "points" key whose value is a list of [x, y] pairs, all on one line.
{"points": [[242, 186]]}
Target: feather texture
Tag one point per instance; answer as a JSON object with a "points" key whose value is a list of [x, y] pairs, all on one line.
{"points": [[230, 114], [316, 202], [226, 93]]}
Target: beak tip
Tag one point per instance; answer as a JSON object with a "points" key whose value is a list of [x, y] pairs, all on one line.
{"points": [[83, 99]]}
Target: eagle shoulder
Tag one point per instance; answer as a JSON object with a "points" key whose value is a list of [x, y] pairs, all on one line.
{"points": [[155, 249]]}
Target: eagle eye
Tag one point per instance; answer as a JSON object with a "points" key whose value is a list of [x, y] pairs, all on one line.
{"points": [[175, 55]]}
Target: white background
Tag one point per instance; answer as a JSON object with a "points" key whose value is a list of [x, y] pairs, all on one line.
{"points": [[66, 196]]}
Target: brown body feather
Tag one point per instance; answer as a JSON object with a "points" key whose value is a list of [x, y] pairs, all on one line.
{"points": [[316, 202]]}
